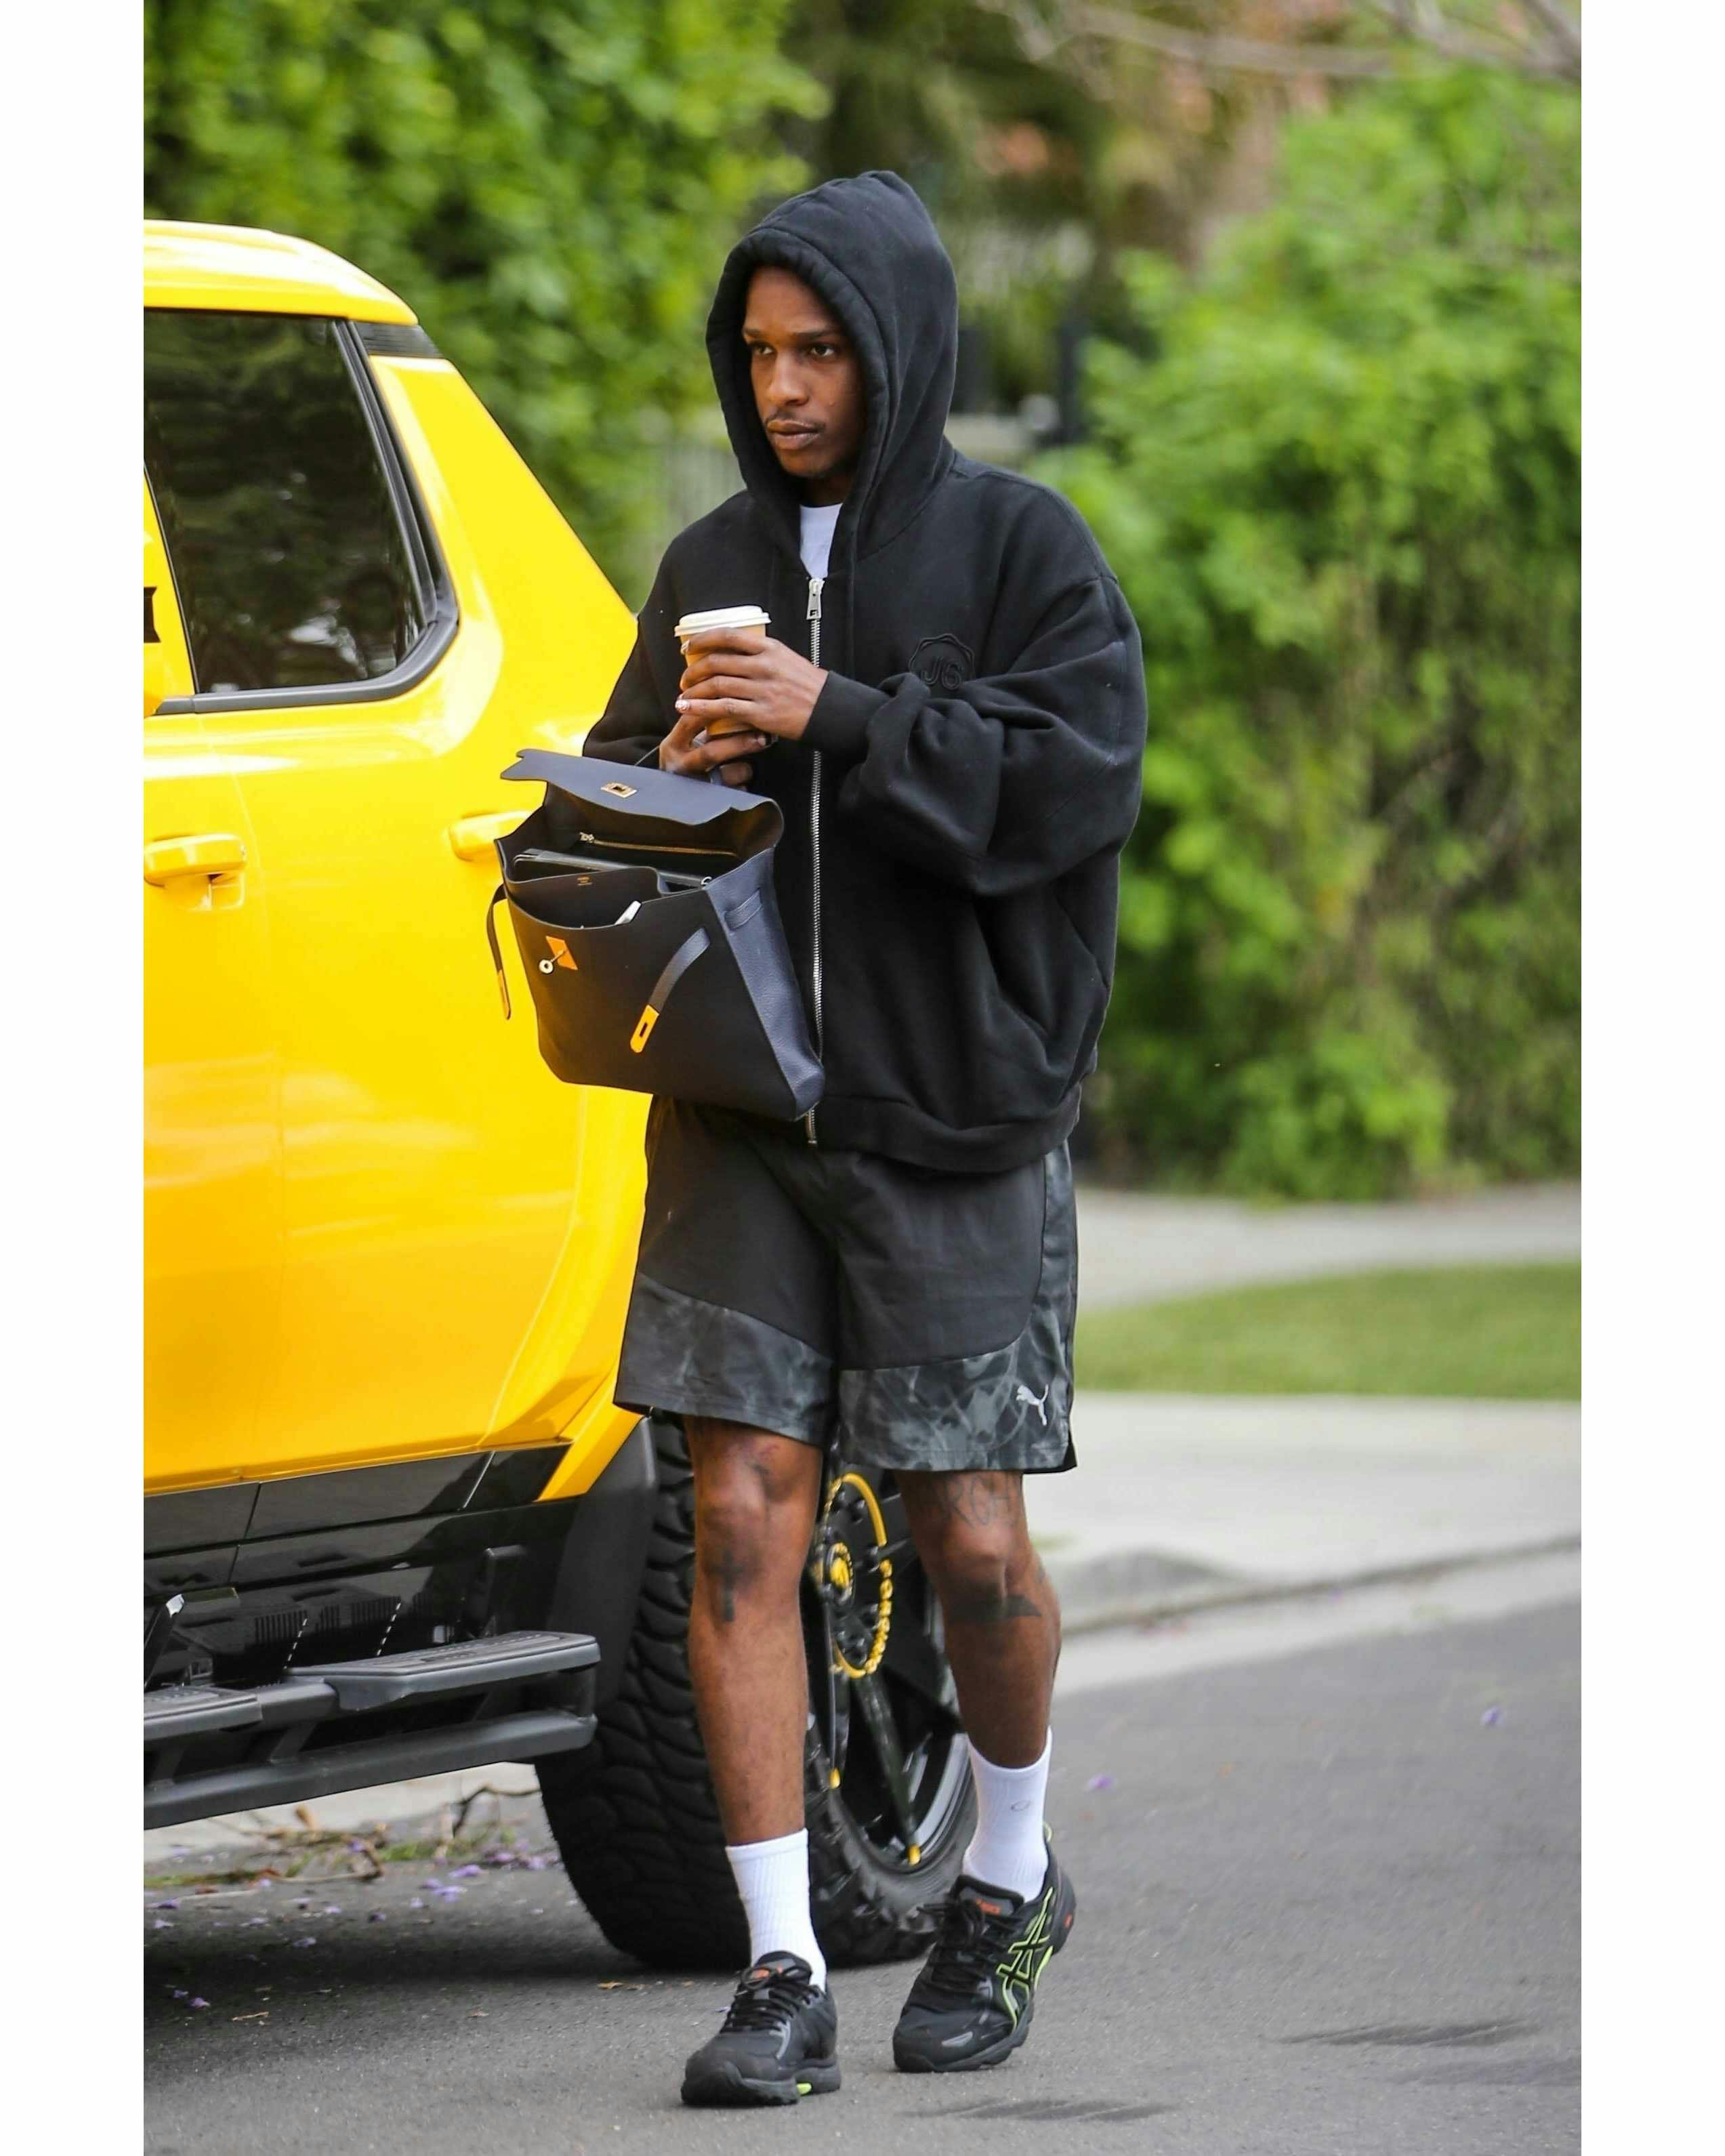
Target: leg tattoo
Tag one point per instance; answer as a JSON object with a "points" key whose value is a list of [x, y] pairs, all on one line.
{"points": [[982, 1499]]}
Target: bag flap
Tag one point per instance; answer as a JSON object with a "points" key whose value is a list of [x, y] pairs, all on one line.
{"points": [[650, 807]]}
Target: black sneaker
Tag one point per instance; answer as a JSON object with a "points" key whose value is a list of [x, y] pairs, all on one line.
{"points": [[779, 2041], [972, 2003]]}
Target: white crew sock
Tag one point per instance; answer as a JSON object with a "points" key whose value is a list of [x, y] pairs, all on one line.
{"points": [[1007, 1849], [772, 1878]]}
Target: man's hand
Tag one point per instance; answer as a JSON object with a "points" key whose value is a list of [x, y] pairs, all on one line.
{"points": [[684, 750], [743, 675]]}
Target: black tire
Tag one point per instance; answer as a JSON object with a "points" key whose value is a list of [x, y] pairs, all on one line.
{"points": [[634, 1814]]}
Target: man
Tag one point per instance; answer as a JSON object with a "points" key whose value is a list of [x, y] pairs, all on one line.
{"points": [[951, 714]]}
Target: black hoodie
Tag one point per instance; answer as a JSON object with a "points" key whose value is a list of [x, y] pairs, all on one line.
{"points": [[955, 811]]}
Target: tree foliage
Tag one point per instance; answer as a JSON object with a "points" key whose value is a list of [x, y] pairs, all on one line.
{"points": [[550, 184], [1343, 499]]}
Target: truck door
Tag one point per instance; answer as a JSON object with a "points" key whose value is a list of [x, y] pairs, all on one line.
{"points": [[212, 1117], [357, 668]]}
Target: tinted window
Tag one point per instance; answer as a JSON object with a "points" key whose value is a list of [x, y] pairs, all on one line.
{"points": [[288, 556]]}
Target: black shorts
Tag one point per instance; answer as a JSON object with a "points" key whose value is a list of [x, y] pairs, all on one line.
{"points": [[922, 1319]]}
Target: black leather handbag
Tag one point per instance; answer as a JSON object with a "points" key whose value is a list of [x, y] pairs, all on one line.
{"points": [[647, 922]]}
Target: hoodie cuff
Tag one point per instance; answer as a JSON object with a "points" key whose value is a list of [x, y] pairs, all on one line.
{"points": [[839, 724]]}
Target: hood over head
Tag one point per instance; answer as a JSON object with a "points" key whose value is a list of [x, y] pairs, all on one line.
{"points": [[869, 248]]}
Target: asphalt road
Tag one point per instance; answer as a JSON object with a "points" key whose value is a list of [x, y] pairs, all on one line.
{"points": [[1327, 1906]]}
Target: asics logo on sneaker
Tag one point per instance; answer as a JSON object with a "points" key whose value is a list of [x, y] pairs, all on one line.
{"points": [[1023, 1961]]}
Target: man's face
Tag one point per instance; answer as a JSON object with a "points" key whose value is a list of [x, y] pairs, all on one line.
{"points": [[807, 384]]}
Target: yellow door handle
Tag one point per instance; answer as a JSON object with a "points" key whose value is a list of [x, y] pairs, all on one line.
{"points": [[212, 853], [473, 837]]}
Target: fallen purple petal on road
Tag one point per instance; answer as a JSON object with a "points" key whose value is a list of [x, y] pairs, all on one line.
{"points": [[165, 1905], [465, 1871], [178, 1994], [257, 1920], [377, 1915], [311, 1941], [198, 2002], [416, 1903], [160, 1924], [1491, 1716], [1100, 1782], [333, 1910]]}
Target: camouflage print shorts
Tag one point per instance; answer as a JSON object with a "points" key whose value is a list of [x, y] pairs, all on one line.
{"points": [[924, 1319]]}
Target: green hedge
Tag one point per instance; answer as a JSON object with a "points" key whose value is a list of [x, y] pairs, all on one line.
{"points": [[1339, 480], [550, 185]]}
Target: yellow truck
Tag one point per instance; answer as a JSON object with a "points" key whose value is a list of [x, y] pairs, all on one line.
{"points": [[394, 1522]]}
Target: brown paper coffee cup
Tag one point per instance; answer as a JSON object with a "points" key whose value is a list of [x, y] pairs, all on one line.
{"points": [[734, 616]]}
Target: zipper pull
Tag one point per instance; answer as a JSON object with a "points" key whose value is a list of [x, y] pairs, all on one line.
{"points": [[814, 591]]}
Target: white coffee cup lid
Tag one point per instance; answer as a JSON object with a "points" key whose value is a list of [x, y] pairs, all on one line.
{"points": [[733, 617]]}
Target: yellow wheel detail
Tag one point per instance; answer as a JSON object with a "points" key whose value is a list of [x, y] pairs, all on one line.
{"points": [[850, 1480], [913, 1855], [841, 1574]]}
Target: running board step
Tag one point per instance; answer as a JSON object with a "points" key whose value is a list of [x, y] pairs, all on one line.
{"points": [[465, 1665], [175, 1711], [320, 1690], [522, 1696]]}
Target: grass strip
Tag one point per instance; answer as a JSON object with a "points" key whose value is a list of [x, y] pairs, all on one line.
{"points": [[1504, 1332]]}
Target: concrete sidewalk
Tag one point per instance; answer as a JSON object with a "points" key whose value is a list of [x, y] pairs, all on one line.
{"points": [[1180, 1504], [1134, 1248]]}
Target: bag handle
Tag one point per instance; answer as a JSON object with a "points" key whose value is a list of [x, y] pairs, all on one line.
{"points": [[497, 899], [679, 963]]}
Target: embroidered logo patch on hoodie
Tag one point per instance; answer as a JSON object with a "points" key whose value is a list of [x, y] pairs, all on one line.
{"points": [[943, 662]]}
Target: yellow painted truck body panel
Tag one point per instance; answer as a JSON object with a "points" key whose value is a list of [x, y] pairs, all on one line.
{"points": [[377, 1227], [232, 267]]}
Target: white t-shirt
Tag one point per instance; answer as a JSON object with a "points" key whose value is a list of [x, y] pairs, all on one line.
{"points": [[818, 526]]}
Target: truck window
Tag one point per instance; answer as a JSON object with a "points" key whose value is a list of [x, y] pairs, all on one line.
{"points": [[290, 559]]}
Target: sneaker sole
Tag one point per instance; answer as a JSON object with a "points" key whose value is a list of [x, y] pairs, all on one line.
{"points": [[724, 2086], [994, 2054]]}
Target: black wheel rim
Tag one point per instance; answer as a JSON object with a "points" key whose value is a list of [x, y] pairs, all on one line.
{"points": [[885, 1709]]}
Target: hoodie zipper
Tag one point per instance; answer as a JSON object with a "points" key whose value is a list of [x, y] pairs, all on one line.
{"points": [[815, 583]]}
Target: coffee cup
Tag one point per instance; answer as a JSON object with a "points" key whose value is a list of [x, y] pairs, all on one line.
{"points": [[733, 617]]}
